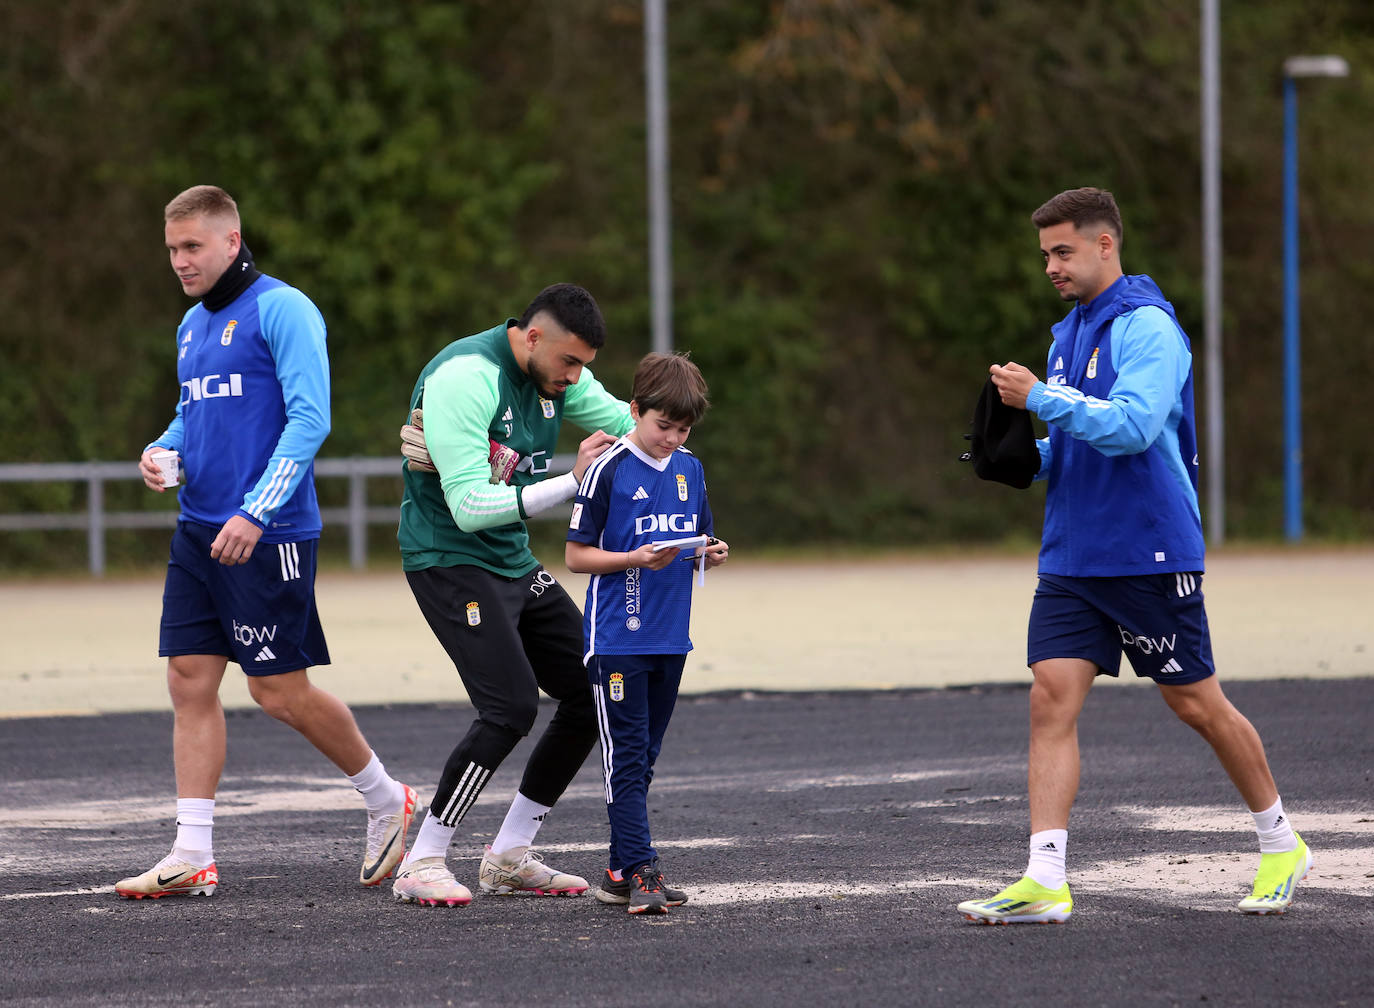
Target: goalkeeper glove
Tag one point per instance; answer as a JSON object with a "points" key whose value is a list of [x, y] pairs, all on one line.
{"points": [[413, 444], [503, 460]]}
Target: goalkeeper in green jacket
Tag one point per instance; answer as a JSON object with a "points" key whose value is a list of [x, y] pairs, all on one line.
{"points": [[484, 423]]}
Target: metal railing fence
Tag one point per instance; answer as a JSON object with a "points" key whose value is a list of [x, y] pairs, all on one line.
{"points": [[356, 515]]}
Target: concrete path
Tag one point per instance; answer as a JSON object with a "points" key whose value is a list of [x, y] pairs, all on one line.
{"points": [[83, 646]]}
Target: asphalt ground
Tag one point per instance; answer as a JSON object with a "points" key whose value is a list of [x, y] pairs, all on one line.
{"points": [[824, 837]]}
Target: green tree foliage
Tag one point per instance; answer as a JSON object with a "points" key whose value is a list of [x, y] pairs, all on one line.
{"points": [[851, 186]]}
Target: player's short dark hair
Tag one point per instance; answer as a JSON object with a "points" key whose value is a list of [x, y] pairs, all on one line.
{"points": [[573, 308], [1084, 208], [673, 385]]}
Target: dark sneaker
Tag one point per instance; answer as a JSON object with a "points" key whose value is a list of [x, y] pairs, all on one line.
{"points": [[646, 892], [611, 891]]}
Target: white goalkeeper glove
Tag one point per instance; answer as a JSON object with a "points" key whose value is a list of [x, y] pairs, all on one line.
{"points": [[413, 444], [503, 460]]}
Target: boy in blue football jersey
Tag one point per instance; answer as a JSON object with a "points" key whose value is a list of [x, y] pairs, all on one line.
{"points": [[644, 491]]}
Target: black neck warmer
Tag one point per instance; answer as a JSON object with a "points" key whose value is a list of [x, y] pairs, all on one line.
{"points": [[234, 281]]}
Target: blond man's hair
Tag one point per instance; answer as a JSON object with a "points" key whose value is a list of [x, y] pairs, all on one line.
{"points": [[203, 201]]}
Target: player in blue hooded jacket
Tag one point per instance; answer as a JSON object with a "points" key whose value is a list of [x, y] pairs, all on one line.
{"points": [[252, 412], [1121, 558]]}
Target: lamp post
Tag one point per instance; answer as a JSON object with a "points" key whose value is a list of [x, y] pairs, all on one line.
{"points": [[660, 223], [1211, 271], [1293, 68]]}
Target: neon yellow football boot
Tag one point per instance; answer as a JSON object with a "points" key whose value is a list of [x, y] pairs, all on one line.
{"points": [[1277, 878], [1023, 902]]}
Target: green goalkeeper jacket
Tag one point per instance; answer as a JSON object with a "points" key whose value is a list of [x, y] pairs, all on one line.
{"points": [[473, 392]]}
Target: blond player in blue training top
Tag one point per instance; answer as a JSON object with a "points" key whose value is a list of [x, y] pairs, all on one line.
{"points": [[646, 489], [253, 411]]}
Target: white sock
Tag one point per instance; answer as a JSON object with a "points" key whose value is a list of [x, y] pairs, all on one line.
{"points": [[195, 828], [1275, 831], [521, 825], [1047, 857], [381, 793], [431, 840]]}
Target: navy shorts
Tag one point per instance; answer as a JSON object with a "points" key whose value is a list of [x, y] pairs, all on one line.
{"points": [[1157, 620], [260, 614]]}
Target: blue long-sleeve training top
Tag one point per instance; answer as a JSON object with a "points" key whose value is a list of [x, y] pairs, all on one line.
{"points": [[253, 410]]}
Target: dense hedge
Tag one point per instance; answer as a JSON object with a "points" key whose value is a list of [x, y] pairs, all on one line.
{"points": [[851, 184]]}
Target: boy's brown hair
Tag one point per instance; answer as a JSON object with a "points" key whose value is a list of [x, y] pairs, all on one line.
{"points": [[673, 385]]}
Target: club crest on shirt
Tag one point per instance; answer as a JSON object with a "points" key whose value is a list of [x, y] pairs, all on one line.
{"points": [[681, 487], [547, 406], [616, 686], [1092, 363], [227, 337], [474, 614]]}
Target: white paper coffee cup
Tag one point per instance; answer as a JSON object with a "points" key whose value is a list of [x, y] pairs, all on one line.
{"points": [[170, 464]]}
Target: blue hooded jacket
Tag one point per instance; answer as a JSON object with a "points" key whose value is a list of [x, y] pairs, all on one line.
{"points": [[1121, 456]]}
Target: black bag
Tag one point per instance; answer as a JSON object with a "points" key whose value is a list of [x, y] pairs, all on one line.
{"points": [[1003, 441]]}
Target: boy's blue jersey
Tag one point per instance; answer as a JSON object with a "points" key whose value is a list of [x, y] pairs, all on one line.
{"points": [[628, 499], [254, 410]]}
